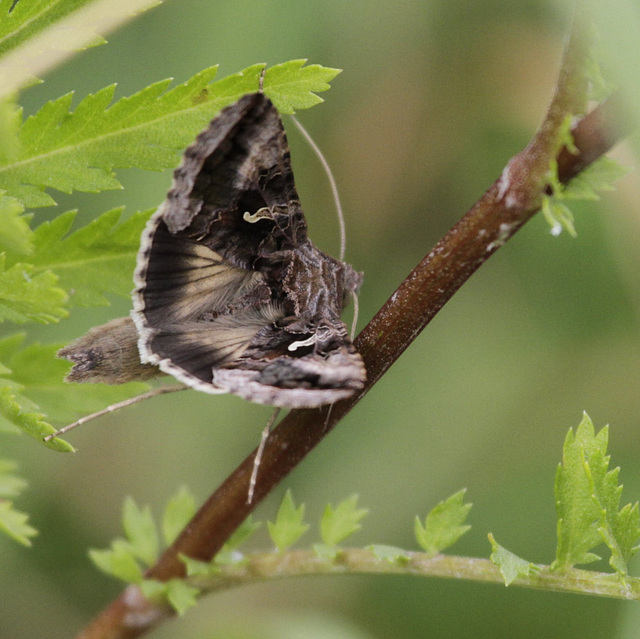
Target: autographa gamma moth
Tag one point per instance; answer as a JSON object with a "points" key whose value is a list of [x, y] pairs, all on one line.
{"points": [[231, 296]]}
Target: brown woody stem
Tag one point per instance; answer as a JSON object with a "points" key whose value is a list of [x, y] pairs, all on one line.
{"points": [[508, 204]]}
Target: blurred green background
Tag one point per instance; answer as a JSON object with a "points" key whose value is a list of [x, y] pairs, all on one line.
{"points": [[434, 99]]}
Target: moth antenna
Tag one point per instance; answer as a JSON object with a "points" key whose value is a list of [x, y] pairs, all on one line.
{"points": [[261, 80], [161, 390], [332, 182], [326, 421], [258, 458], [356, 311]]}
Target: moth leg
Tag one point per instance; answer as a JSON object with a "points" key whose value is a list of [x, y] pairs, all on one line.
{"points": [[356, 312], [160, 390], [258, 458]]}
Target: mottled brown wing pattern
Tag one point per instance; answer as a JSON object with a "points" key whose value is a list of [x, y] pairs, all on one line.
{"points": [[231, 296]]}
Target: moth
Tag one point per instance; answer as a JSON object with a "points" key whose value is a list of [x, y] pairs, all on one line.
{"points": [[230, 294]]}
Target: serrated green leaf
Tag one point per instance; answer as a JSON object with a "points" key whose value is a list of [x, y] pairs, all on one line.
{"points": [[154, 589], [177, 514], [289, 525], [292, 86], [77, 151], [96, 259], [141, 531], [29, 296], [35, 35], [444, 524], [620, 529], [558, 216], [176, 592], [181, 596], [241, 534], [15, 234], [10, 484], [338, 524], [10, 119], [597, 177], [389, 553], [14, 523], [30, 422], [622, 537], [197, 568], [579, 514], [511, 566], [228, 554], [119, 561]]}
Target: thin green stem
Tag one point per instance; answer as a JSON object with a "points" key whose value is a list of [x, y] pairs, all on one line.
{"points": [[356, 561]]}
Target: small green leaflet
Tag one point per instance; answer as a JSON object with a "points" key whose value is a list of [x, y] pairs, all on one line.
{"points": [[26, 294], [289, 525], [444, 524], [10, 484], [127, 558], [180, 595], [98, 258], [30, 422], [123, 559], [118, 562], [142, 543], [141, 531], [228, 553], [587, 503], [578, 513], [15, 236], [293, 86], [29, 296], [78, 150], [339, 523], [511, 566], [597, 177], [197, 568], [178, 512], [13, 522], [10, 120], [558, 216]]}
